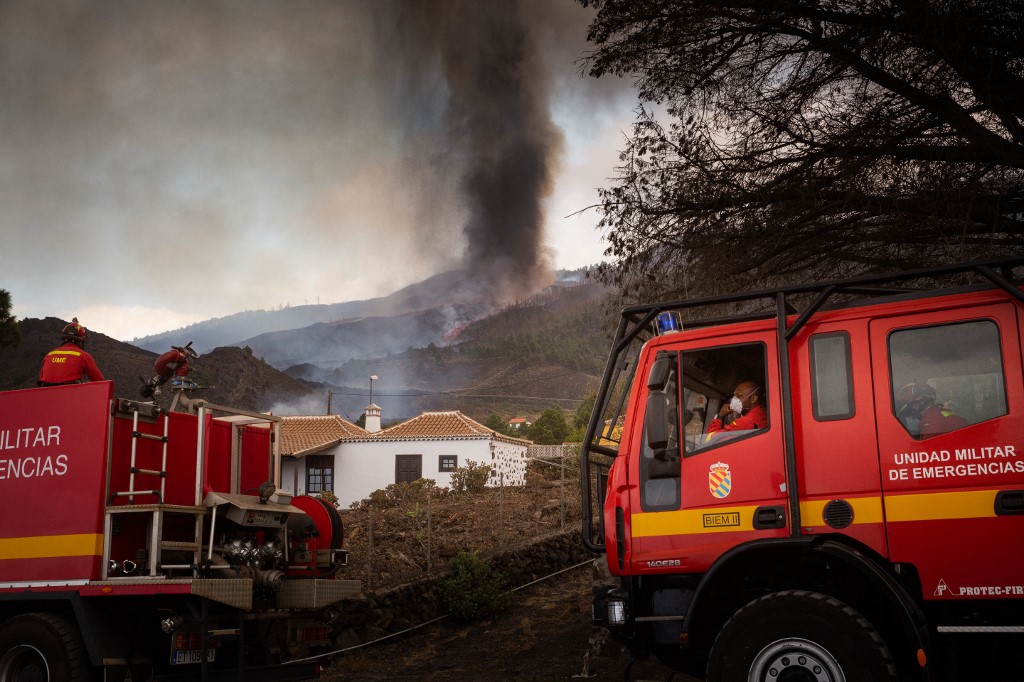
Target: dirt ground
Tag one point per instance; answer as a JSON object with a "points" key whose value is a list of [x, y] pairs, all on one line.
{"points": [[546, 635]]}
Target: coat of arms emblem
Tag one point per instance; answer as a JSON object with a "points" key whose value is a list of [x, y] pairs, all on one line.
{"points": [[720, 480]]}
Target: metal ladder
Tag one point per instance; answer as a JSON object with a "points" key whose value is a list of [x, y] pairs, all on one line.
{"points": [[156, 544]]}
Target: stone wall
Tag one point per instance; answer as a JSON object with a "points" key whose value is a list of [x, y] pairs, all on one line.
{"points": [[381, 612]]}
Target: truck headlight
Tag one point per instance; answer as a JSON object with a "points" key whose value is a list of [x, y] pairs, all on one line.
{"points": [[616, 612]]}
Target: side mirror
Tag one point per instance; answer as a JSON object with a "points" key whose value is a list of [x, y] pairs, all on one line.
{"points": [[660, 372], [656, 421]]}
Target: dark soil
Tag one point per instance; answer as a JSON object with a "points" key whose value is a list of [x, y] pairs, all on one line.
{"points": [[546, 635]]}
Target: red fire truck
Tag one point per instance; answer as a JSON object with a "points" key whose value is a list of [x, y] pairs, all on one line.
{"points": [[820, 482], [147, 544]]}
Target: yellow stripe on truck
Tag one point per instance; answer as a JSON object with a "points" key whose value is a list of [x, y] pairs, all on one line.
{"points": [[940, 506], [690, 521], [915, 507], [865, 510], [49, 546]]}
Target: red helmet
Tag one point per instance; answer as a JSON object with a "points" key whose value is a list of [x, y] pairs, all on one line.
{"points": [[916, 392], [74, 333]]}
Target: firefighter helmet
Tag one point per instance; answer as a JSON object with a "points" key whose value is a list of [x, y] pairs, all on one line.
{"points": [[74, 333], [915, 392], [914, 398]]}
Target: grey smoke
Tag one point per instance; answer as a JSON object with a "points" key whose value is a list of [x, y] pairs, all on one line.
{"points": [[202, 157], [489, 86]]}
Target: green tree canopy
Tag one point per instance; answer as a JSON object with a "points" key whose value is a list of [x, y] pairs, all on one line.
{"points": [[496, 424], [10, 335], [550, 428], [798, 140], [581, 419]]}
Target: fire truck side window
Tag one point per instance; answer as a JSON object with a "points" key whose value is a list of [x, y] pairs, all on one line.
{"points": [[946, 377], [660, 463], [831, 376], [714, 377]]}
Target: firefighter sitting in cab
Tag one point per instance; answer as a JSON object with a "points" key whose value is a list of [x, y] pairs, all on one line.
{"points": [[750, 413], [69, 363], [922, 415]]}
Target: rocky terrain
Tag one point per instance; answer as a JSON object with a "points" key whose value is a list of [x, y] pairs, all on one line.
{"points": [[233, 376]]}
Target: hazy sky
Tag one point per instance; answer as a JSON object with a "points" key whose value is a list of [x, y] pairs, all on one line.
{"points": [[167, 162]]}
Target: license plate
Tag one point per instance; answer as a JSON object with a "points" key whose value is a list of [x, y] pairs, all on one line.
{"points": [[182, 656]]}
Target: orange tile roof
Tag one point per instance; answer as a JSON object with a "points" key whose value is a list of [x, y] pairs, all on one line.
{"points": [[305, 435], [442, 425]]}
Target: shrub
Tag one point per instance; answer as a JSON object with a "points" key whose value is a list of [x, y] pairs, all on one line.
{"points": [[398, 494], [474, 590], [328, 496], [471, 478]]}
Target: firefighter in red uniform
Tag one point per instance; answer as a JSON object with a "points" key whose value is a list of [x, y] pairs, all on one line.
{"points": [[922, 415], [746, 402], [69, 363]]}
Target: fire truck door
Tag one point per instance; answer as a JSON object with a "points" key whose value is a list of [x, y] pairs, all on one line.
{"points": [[950, 419], [727, 486]]}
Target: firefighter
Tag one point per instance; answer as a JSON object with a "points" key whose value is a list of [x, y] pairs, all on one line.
{"points": [[172, 363], [922, 415], [746, 404], [69, 363]]}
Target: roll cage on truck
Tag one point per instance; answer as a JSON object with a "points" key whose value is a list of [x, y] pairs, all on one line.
{"points": [[871, 527]]}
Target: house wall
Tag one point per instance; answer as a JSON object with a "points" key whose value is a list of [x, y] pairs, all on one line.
{"points": [[294, 471], [510, 460], [365, 467], [361, 468]]}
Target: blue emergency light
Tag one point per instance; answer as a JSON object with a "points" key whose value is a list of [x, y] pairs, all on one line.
{"points": [[669, 322]]}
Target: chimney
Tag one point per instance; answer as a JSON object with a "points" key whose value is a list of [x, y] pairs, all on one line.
{"points": [[372, 418]]}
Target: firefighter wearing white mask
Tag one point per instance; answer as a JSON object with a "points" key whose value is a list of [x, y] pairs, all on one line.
{"points": [[746, 409]]}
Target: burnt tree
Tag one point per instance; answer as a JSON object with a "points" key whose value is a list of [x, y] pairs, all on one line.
{"points": [[794, 140]]}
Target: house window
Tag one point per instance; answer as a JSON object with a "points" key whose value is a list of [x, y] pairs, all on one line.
{"points": [[447, 462], [319, 473]]}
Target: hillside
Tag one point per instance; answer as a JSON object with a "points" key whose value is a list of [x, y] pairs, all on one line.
{"points": [[548, 350], [518, 362], [451, 288], [120, 362], [237, 378]]}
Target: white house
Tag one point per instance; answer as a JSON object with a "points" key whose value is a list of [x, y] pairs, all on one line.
{"points": [[518, 424], [356, 462], [309, 449]]}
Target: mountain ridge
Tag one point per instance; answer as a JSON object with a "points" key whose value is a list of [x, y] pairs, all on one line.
{"points": [[451, 287], [521, 359]]}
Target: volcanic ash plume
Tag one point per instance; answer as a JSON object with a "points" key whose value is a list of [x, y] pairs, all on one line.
{"points": [[499, 137]]}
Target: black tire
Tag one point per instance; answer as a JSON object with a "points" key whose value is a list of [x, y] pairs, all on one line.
{"points": [[798, 635], [42, 647]]}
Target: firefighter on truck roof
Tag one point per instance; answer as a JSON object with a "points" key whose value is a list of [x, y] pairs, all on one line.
{"points": [[69, 363]]}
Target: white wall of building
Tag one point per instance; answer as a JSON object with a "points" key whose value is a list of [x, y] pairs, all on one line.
{"points": [[365, 467], [362, 467]]}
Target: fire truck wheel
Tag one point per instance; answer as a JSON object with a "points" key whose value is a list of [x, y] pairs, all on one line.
{"points": [[42, 647], [799, 635]]}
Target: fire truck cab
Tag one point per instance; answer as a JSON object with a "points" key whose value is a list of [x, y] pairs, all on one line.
{"points": [[858, 512]]}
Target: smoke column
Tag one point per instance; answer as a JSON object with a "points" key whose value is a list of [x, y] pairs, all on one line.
{"points": [[490, 91]]}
